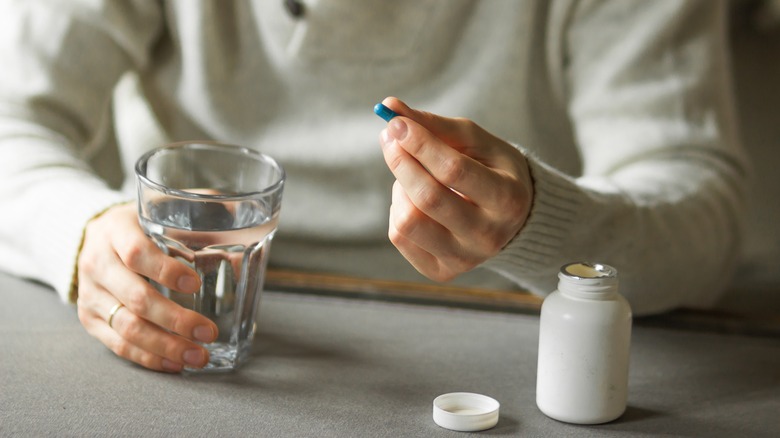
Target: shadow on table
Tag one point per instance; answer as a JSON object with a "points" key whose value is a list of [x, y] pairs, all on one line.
{"points": [[506, 425], [636, 414]]}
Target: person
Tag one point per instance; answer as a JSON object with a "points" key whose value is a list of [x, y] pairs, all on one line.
{"points": [[530, 134]]}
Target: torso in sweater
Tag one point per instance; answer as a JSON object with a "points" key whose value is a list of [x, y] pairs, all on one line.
{"points": [[302, 91]]}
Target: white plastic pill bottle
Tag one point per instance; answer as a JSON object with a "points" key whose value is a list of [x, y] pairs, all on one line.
{"points": [[584, 340]]}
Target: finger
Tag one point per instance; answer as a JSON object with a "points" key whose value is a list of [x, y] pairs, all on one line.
{"points": [[160, 343], [421, 260], [430, 236], [466, 158], [142, 299], [431, 197], [414, 225], [141, 255], [442, 127], [94, 306], [127, 350], [452, 168], [459, 133]]}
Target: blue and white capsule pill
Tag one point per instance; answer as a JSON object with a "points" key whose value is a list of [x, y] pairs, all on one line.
{"points": [[384, 112]]}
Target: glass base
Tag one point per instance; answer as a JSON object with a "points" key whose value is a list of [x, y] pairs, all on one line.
{"points": [[223, 358]]}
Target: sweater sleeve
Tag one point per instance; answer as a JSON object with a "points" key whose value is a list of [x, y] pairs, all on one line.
{"points": [[663, 177], [60, 61]]}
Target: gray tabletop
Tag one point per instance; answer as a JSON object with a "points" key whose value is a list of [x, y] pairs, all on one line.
{"points": [[326, 366]]}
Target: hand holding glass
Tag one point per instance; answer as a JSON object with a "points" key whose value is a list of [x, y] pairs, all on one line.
{"points": [[214, 207]]}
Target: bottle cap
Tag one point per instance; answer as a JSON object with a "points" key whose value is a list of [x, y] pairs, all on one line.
{"points": [[465, 411]]}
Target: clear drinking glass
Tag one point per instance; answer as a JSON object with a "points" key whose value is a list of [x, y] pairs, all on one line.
{"points": [[215, 207]]}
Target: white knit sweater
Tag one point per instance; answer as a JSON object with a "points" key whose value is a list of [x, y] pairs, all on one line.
{"points": [[623, 108]]}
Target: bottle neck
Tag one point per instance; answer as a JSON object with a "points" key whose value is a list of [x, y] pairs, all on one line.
{"points": [[588, 281]]}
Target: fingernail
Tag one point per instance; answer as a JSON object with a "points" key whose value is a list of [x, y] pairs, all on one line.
{"points": [[193, 357], [203, 333], [187, 283], [397, 129], [171, 366]]}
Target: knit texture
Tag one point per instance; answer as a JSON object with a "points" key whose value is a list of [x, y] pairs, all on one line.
{"points": [[622, 107]]}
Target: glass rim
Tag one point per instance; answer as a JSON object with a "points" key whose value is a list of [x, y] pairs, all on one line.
{"points": [[210, 145]]}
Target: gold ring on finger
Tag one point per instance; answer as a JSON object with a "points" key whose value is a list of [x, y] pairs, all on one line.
{"points": [[113, 312]]}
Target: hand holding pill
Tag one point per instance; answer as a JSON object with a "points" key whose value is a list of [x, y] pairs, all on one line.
{"points": [[460, 195]]}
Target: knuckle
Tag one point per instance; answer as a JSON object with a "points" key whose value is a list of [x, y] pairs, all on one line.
{"points": [[172, 350], [459, 260], [394, 237], [469, 129], [394, 159], [87, 262], [401, 242], [178, 322], [512, 193], [514, 209], [427, 198], [165, 271], [414, 145], [139, 301], [452, 170], [82, 314], [405, 222], [463, 121], [436, 275], [131, 254], [121, 348], [86, 316], [488, 241], [457, 265], [426, 118], [129, 328], [147, 360], [442, 275]]}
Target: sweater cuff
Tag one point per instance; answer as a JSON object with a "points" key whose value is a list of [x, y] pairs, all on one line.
{"points": [[532, 258]]}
